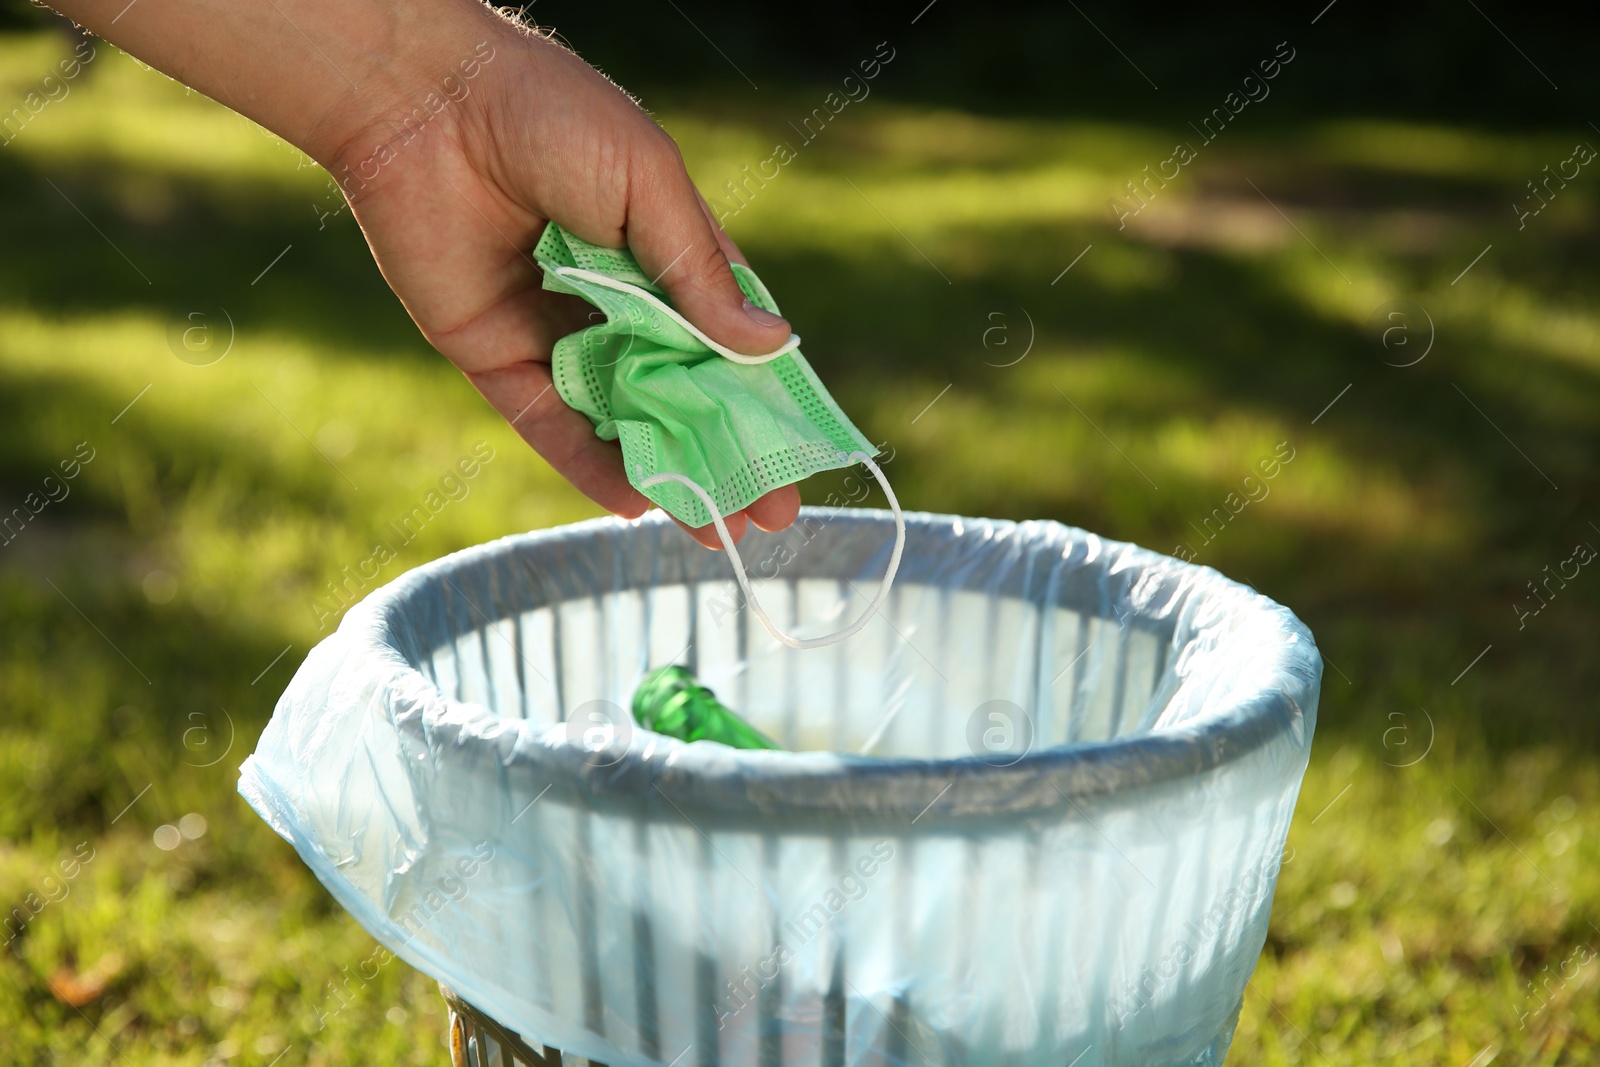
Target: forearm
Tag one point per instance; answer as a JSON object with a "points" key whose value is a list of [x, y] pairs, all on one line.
{"points": [[319, 73], [457, 135]]}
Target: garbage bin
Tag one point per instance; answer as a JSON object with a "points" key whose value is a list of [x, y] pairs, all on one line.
{"points": [[1032, 814]]}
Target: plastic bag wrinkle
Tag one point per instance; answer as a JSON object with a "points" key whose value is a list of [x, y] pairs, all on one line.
{"points": [[629, 885]]}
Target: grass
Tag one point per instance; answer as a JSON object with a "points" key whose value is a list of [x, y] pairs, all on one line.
{"points": [[1444, 881]]}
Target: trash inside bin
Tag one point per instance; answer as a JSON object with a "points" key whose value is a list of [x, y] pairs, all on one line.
{"points": [[1031, 814]]}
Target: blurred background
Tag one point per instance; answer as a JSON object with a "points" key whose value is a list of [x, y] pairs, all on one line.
{"points": [[1381, 263]]}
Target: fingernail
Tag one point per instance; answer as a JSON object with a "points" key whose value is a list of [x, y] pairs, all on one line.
{"points": [[763, 317]]}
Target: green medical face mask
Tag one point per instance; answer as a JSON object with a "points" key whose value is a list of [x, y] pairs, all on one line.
{"points": [[705, 431]]}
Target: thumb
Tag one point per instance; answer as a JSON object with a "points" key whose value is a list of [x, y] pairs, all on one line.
{"points": [[682, 248]]}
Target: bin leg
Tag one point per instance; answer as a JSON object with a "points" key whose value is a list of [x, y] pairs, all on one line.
{"points": [[458, 1040], [471, 1033]]}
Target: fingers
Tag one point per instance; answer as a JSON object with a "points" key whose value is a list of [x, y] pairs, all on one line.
{"points": [[777, 510], [525, 396], [677, 243], [724, 242], [707, 534]]}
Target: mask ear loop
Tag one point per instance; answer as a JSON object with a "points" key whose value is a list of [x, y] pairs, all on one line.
{"points": [[744, 580], [605, 282]]}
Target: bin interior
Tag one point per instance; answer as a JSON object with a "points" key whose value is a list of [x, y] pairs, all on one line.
{"points": [[910, 685]]}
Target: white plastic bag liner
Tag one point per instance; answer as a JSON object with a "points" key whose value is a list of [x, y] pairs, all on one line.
{"points": [[1060, 846]]}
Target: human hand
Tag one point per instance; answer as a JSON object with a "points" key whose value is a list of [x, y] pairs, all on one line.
{"points": [[457, 134], [451, 212]]}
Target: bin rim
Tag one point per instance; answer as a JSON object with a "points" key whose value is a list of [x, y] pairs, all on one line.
{"points": [[662, 777]]}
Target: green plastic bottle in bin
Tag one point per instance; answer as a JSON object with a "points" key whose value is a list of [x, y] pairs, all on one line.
{"points": [[670, 701]]}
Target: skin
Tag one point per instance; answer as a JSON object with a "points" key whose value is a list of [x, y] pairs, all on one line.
{"points": [[454, 204]]}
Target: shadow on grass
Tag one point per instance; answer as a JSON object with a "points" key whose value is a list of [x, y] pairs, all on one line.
{"points": [[89, 245], [1200, 336]]}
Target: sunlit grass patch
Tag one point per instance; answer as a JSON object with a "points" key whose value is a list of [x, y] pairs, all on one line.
{"points": [[966, 291]]}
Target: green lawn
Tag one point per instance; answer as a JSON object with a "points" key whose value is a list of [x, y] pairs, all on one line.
{"points": [[1441, 904]]}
